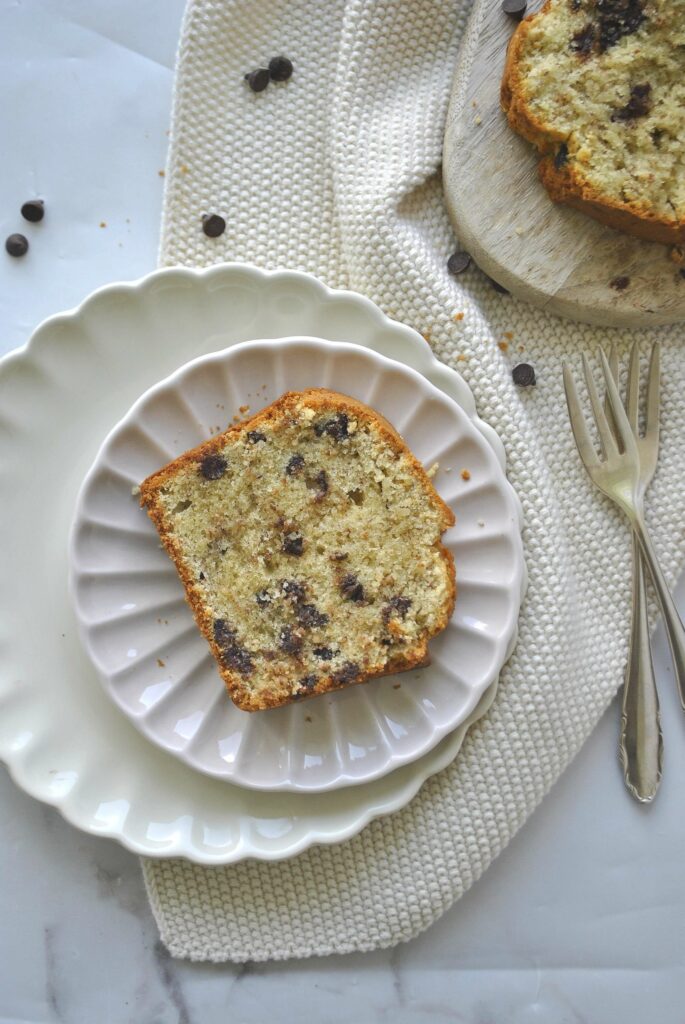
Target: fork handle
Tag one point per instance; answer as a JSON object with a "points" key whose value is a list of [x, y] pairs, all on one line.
{"points": [[672, 622], [641, 743]]}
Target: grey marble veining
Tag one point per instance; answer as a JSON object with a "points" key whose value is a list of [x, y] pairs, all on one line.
{"points": [[580, 921]]}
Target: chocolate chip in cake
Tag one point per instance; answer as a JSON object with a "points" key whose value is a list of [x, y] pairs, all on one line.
{"points": [[263, 598], [306, 685], [294, 465], [321, 484], [309, 616], [233, 654], [458, 263], [258, 79], [254, 436], [396, 608], [339, 556], [349, 671], [324, 653], [352, 588], [639, 104], [293, 544], [523, 375], [583, 41], [618, 18], [213, 467], [514, 8], [682, 272], [201, 576], [33, 210], [17, 245], [337, 427], [213, 225], [657, 135], [293, 589], [289, 642], [561, 156], [280, 69], [619, 284]]}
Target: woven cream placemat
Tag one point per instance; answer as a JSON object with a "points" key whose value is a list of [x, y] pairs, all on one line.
{"points": [[337, 172]]}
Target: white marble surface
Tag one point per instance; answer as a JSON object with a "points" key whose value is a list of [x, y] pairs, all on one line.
{"points": [[581, 920]]}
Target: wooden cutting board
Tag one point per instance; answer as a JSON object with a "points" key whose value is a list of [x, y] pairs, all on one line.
{"points": [[548, 255]]}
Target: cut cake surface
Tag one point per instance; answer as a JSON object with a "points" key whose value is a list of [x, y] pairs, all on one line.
{"points": [[308, 540]]}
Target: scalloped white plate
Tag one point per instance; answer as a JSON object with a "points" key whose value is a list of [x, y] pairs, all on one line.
{"points": [[141, 635], [62, 739]]}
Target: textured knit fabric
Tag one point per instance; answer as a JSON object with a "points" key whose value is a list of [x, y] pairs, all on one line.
{"points": [[337, 172]]}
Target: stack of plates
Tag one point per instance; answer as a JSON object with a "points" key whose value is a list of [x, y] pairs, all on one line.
{"points": [[111, 707]]}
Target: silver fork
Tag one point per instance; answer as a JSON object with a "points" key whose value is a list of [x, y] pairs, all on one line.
{"points": [[618, 475], [641, 742]]}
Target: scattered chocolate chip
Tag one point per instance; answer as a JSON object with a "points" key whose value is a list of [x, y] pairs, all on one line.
{"points": [[324, 653], [618, 18], [254, 436], [396, 608], [337, 427], [293, 544], [293, 589], [280, 69], [263, 598], [619, 284], [233, 654], [638, 105], [514, 8], [349, 671], [33, 210], [17, 245], [213, 467], [352, 588], [289, 641], [213, 225], [523, 375], [258, 79], [458, 263], [561, 156], [294, 465], [309, 616], [583, 41]]}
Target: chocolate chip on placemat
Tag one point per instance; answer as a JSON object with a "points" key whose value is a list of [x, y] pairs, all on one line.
{"points": [[523, 375], [17, 245], [33, 210], [514, 8], [458, 263], [280, 69], [213, 225], [258, 79]]}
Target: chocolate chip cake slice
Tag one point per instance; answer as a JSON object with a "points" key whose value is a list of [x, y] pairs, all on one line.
{"points": [[599, 87], [308, 540]]}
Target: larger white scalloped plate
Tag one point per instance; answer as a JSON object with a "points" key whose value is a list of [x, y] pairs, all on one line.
{"points": [[141, 635], [62, 739]]}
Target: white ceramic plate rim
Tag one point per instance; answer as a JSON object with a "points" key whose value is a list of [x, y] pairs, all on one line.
{"points": [[189, 754], [402, 785]]}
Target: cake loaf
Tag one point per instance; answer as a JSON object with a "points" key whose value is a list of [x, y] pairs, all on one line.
{"points": [[599, 87], [308, 540]]}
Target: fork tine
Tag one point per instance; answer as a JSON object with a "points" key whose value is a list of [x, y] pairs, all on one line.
{"points": [[632, 397], [606, 438], [653, 392], [613, 364], [579, 426], [624, 434]]}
